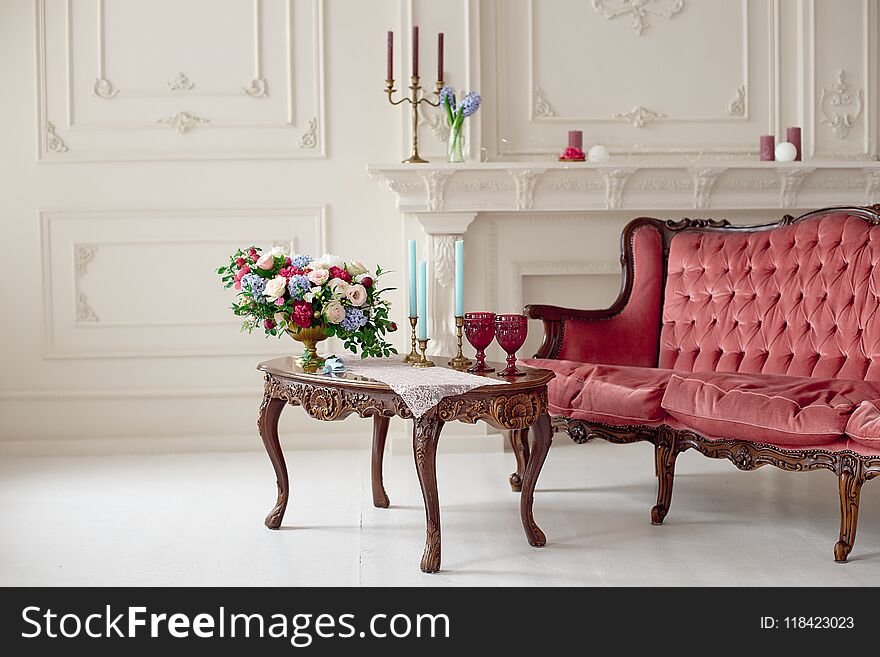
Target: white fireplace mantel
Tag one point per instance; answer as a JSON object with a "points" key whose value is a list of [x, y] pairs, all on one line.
{"points": [[627, 185], [445, 198]]}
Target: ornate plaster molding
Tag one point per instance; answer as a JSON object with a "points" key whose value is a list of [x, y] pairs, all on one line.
{"points": [[435, 188], [54, 143], [256, 88], [443, 255], [103, 88], [180, 83], [737, 106], [540, 106], [83, 254], [638, 10], [790, 181], [182, 121], [872, 186], [832, 102], [615, 181], [704, 180], [309, 138], [435, 119], [525, 180], [639, 116]]}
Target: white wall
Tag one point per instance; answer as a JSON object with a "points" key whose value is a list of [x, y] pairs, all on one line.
{"points": [[115, 206]]}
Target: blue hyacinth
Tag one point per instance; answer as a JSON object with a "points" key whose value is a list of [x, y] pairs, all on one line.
{"points": [[447, 95], [253, 284], [301, 261], [354, 319], [470, 104], [298, 286]]}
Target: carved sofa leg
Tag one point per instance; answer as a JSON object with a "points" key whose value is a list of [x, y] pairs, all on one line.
{"points": [[665, 453], [851, 476]]}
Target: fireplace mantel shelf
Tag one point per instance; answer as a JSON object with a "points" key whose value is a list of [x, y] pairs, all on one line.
{"points": [[627, 185]]}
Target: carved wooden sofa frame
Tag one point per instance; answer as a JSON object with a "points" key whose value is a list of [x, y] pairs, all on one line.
{"points": [[851, 468]]}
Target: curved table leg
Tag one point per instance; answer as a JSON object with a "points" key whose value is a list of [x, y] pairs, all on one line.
{"points": [[519, 441], [426, 433], [542, 436], [270, 411], [380, 432]]}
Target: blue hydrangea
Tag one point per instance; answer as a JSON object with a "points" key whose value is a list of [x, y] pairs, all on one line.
{"points": [[354, 319], [298, 286], [470, 104], [301, 261], [253, 284]]}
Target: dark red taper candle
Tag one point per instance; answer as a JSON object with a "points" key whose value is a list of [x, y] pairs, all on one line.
{"points": [[440, 56], [415, 50], [389, 75]]}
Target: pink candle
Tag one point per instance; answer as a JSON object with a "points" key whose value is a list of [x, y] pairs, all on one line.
{"points": [[794, 136], [576, 139], [768, 147], [415, 50], [440, 56], [389, 75]]}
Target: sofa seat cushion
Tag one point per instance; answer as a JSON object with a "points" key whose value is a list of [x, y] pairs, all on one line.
{"points": [[610, 394], [765, 408], [863, 426]]}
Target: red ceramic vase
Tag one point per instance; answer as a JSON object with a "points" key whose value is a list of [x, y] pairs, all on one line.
{"points": [[511, 331], [479, 328]]}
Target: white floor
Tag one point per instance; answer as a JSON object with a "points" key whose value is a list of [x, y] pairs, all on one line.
{"points": [[198, 520]]}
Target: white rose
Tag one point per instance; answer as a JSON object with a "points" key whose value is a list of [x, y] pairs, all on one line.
{"points": [[357, 294], [328, 260], [356, 268], [334, 312], [318, 276], [275, 288], [277, 250], [338, 286]]}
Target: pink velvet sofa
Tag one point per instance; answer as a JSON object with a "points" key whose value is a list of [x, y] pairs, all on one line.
{"points": [[759, 344]]}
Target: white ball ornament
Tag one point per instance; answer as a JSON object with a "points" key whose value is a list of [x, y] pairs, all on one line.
{"points": [[786, 151], [598, 153]]}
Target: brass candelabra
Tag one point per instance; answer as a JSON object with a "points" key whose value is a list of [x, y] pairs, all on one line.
{"points": [[423, 359], [459, 362], [414, 100], [413, 355]]}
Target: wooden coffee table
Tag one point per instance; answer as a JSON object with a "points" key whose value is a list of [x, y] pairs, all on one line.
{"points": [[515, 407]]}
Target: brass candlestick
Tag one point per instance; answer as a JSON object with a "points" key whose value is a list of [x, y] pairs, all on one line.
{"points": [[459, 362], [423, 359], [413, 355], [414, 101]]}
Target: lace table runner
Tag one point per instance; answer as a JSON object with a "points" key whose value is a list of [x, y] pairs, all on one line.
{"points": [[420, 388]]}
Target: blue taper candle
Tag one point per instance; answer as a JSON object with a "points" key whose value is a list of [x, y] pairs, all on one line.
{"points": [[413, 308], [459, 278], [423, 300]]}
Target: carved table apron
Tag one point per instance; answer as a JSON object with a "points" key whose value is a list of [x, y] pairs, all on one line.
{"points": [[515, 407]]}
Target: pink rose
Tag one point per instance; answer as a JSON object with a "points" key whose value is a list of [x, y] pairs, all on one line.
{"points": [[318, 276], [357, 294], [338, 286], [279, 301], [275, 288], [266, 262], [334, 312]]}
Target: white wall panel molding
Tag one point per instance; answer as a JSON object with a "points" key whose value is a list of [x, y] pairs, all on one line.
{"points": [[638, 12], [107, 102], [133, 291]]}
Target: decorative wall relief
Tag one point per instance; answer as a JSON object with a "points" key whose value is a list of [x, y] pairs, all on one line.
{"points": [[182, 121], [834, 103], [54, 143], [309, 138], [180, 83], [639, 117], [443, 254], [638, 10], [790, 182], [737, 106], [615, 181], [103, 88], [435, 188], [258, 88], [704, 180], [540, 106], [83, 254], [525, 180]]}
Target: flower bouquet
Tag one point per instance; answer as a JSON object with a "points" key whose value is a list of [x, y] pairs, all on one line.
{"points": [[455, 116], [310, 299]]}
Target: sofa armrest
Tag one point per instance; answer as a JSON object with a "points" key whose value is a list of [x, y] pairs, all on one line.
{"points": [[626, 333]]}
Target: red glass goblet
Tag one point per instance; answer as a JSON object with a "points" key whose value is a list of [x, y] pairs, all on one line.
{"points": [[480, 330], [511, 331]]}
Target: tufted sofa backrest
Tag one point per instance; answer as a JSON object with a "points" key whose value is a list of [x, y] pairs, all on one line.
{"points": [[802, 299]]}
